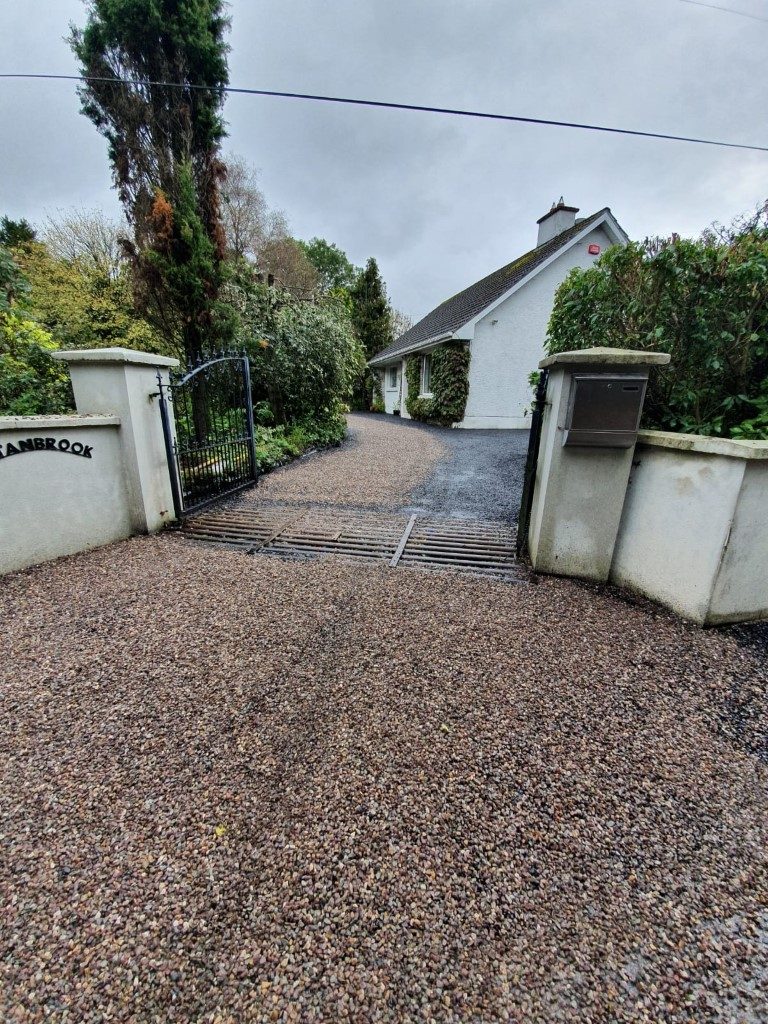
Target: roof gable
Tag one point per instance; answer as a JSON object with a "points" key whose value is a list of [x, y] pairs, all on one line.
{"points": [[469, 304]]}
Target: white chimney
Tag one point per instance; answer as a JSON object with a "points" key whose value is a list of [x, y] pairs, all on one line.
{"points": [[559, 218]]}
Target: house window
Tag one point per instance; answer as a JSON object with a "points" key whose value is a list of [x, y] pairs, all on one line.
{"points": [[426, 375], [393, 376]]}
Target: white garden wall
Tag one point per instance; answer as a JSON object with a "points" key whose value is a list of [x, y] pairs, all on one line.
{"points": [[69, 483], [679, 518], [62, 487], [694, 527]]}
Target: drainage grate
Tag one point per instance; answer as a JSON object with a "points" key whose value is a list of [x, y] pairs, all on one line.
{"points": [[415, 541]]}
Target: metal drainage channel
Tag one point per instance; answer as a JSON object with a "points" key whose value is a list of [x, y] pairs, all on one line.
{"points": [[416, 541]]}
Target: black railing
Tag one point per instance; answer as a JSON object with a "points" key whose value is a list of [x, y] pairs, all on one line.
{"points": [[207, 418]]}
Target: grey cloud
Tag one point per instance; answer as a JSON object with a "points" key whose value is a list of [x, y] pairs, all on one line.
{"points": [[439, 201]]}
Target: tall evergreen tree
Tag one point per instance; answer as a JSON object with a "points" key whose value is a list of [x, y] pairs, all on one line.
{"points": [[372, 320], [15, 232], [371, 313], [164, 148]]}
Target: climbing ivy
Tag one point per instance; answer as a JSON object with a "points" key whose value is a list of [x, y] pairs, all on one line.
{"points": [[377, 402], [449, 381]]}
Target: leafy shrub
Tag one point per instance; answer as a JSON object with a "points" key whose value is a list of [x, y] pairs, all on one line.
{"points": [[31, 383], [704, 301], [277, 445], [755, 428], [377, 393], [305, 358], [449, 383]]}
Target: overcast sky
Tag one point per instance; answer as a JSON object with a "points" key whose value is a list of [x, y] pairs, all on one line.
{"points": [[439, 201]]}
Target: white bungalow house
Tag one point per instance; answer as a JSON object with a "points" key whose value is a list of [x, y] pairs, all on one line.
{"points": [[503, 318]]}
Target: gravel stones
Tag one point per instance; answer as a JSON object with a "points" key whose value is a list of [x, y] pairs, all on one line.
{"points": [[238, 789], [379, 463]]}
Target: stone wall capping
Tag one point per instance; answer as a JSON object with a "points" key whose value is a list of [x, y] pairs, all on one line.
{"points": [[114, 355], [59, 422], [601, 356], [702, 445]]}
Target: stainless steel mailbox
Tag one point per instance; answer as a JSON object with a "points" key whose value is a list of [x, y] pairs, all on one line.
{"points": [[604, 411]]}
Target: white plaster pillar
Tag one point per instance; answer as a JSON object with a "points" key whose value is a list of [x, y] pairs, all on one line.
{"points": [[579, 491], [121, 382]]}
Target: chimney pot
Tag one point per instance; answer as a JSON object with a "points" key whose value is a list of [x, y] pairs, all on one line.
{"points": [[559, 219]]}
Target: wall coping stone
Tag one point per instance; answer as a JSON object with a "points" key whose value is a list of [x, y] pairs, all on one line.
{"points": [[114, 355], [602, 356], [17, 423], [703, 445]]}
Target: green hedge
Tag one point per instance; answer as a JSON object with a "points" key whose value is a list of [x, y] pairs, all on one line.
{"points": [[450, 385], [704, 301]]}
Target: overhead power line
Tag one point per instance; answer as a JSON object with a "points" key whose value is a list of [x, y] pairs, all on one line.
{"points": [[400, 106], [725, 10]]}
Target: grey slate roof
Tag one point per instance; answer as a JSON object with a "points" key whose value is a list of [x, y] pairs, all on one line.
{"points": [[456, 311]]}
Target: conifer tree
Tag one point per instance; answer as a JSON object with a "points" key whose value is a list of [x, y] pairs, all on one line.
{"points": [[371, 313], [372, 320], [15, 232], [164, 149]]}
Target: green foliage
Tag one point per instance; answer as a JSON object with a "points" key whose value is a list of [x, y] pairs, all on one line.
{"points": [[84, 306], [372, 319], [704, 301], [164, 148], [277, 445], [449, 382], [14, 286], [334, 269], [371, 314], [377, 400], [182, 272], [755, 427], [31, 383], [15, 232], [305, 358]]}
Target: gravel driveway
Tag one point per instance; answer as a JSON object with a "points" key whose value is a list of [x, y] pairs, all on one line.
{"points": [[240, 789], [377, 466], [396, 464]]}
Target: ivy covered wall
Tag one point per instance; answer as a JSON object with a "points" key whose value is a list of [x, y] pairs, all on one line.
{"points": [[449, 383]]}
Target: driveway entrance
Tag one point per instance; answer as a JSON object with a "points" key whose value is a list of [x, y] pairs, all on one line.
{"points": [[395, 491]]}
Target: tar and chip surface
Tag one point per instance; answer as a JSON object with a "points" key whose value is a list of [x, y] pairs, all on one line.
{"points": [[237, 789]]}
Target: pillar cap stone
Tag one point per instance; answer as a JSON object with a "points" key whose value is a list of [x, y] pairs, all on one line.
{"points": [[114, 355], [601, 356], [59, 422], [703, 445]]}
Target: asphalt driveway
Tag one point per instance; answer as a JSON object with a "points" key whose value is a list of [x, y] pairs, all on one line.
{"points": [[480, 476]]}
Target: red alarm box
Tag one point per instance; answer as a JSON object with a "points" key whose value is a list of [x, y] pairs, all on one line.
{"points": [[593, 249]]}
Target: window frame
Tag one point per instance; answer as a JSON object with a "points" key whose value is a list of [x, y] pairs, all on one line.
{"points": [[425, 376], [393, 377]]}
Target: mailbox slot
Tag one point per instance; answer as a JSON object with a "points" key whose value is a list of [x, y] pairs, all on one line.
{"points": [[604, 411]]}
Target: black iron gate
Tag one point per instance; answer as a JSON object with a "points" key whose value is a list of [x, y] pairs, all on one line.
{"points": [[529, 477], [209, 437]]}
